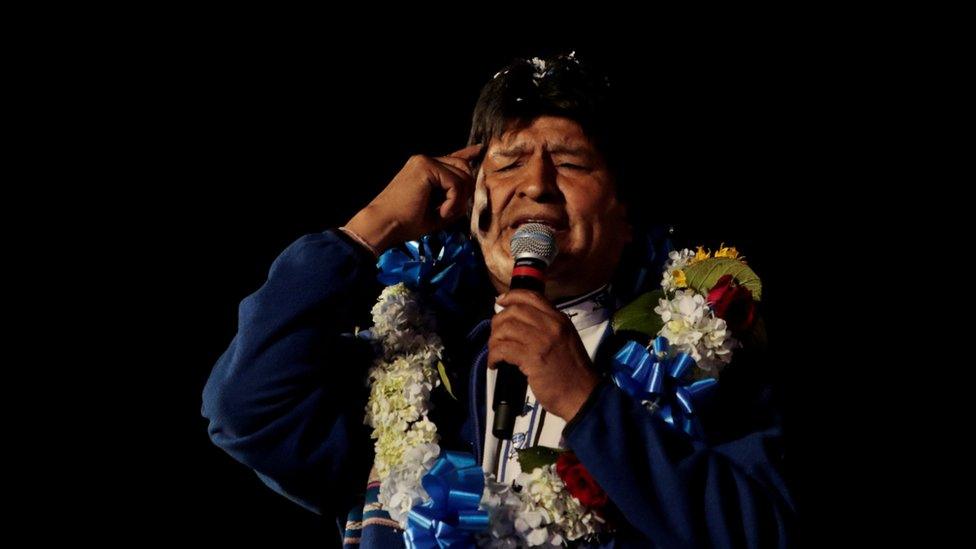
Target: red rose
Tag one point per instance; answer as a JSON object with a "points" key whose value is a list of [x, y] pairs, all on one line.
{"points": [[733, 303], [579, 482]]}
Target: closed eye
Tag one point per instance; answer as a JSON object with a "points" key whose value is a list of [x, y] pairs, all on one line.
{"points": [[511, 166], [573, 166]]}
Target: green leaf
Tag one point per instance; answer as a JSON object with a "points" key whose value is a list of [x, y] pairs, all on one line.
{"points": [[703, 275], [532, 458], [442, 370], [639, 315]]}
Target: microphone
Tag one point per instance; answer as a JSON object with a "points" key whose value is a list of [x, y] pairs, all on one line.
{"points": [[533, 248]]}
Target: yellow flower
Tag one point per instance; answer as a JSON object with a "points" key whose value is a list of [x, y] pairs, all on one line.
{"points": [[679, 279], [729, 252], [701, 255]]}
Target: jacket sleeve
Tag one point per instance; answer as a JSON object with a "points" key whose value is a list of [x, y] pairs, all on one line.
{"points": [[677, 493], [287, 396]]}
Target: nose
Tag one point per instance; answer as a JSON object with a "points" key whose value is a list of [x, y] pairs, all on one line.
{"points": [[539, 181]]}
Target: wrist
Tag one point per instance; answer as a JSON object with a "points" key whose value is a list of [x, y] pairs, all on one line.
{"points": [[376, 235], [587, 404], [359, 242], [577, 400]]}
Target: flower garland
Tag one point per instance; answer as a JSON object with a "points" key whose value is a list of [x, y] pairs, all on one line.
{"points": [[704, 302], [705, 306], [689, 324], [704, 310], [401, 379], [405, 370]]}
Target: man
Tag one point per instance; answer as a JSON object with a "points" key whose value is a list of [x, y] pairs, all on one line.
{"points": [[286, 398]]}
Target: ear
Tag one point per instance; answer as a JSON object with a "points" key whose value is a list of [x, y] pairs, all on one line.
{"points": [[480, 206]]}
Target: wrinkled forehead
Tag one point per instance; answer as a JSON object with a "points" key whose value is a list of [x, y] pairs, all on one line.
{"points": [[552, 134]]}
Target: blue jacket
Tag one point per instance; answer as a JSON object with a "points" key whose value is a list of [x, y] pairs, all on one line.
{"points": [[287, 399]]}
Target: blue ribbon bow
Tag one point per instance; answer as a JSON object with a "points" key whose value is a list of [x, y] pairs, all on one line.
{"points": [[450, 516], [658, 380], [434, 265]]}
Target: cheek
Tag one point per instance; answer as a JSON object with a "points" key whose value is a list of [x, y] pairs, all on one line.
{"points": [[585, 209], [596, 216]]}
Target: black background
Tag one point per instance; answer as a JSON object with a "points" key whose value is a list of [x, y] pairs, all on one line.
{"points": [[230, 143]]}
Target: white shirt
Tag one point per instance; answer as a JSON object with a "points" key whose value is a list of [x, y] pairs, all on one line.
{"points": [[590, 314]]}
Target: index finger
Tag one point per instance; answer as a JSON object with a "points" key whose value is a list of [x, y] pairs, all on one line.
{"points": [[468, 153]]}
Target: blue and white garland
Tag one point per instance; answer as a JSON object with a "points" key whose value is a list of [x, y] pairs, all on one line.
{"points": [[445, 499]]}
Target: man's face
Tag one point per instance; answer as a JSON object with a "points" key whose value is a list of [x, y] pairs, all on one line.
{"points": [[550, 171]]}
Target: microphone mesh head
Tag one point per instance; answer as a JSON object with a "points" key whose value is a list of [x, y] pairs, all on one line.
{"points": [[534, 240]]}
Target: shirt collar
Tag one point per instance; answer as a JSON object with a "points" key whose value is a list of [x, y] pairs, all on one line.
{"points": [[585, 310]]}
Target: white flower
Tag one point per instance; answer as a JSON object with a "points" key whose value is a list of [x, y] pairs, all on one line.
{"points": [[537, 537], [401, 487], [401, 324], [541, 513], [677, 259], [691, 327]]}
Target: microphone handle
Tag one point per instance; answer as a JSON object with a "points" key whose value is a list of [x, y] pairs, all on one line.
{"points": [[510, 383]]}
